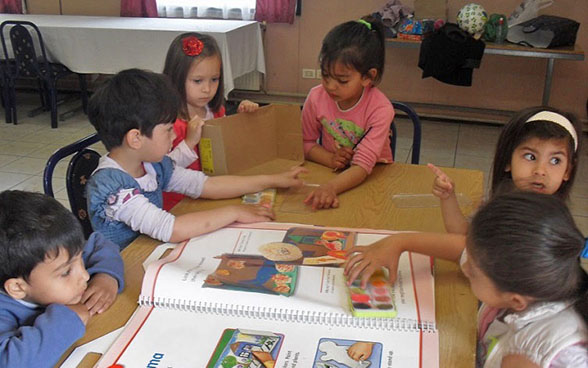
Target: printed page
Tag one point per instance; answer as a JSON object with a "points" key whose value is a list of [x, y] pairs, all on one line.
{"points": [[318, 289], [178, 283], [182, 339]]}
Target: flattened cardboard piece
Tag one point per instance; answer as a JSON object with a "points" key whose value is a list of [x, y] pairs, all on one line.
{"points": [[234, 144]]}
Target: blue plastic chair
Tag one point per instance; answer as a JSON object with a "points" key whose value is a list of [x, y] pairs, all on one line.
{"points": [[416, 131], [79, 170]]}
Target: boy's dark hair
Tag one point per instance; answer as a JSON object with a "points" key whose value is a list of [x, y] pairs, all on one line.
{"points": [[517, 131], [34, 226], [177, 65], [132, 99], [355, 45], [527, 243]]}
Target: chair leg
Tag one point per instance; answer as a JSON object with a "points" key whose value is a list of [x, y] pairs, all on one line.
{"points": [[3, 86], [6, 102], [12, 103], [84, 92], [53, 102], [7, 107], [43, 95], [45, 103]]}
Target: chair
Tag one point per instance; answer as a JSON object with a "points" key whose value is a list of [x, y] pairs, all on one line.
{"points": [[235, 13], [30, 66], [81, 166], [215, 13], [4, 90], [416, 131]]}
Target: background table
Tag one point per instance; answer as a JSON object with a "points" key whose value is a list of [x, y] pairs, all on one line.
{"points": [[108, 45], [369, 206], [510, 49]]}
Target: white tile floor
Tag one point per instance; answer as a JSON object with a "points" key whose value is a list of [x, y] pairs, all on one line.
{"points": [[24, 149]]}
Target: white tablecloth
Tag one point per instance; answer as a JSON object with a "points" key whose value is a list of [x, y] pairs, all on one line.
{"points": [[108, 45]]}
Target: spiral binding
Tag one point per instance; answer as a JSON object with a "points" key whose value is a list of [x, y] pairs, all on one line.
{"points": [[287, 315]]}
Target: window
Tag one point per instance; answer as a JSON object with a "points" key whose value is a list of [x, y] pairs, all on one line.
{"points": [[219, 9]]}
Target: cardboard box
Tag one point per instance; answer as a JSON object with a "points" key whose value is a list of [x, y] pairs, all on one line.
{"points": [[270, 138]]}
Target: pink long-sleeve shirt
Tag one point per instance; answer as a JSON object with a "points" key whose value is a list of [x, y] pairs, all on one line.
{"points": [[343, 128]]}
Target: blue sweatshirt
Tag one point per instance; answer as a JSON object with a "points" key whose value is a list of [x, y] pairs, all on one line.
{"points": [[37, 336]]}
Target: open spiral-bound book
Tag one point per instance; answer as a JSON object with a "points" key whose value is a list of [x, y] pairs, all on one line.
{"points": [[181, 322]]}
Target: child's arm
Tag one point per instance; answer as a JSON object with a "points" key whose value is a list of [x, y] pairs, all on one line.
{"points": [[444, 188], [363, 261], [142, 216], [185, 152], [247, 106], [337, 160], [517, 361], [230, 186], [197, 223], [105, 266], [325, 196], [44, 340], [194, 131]]}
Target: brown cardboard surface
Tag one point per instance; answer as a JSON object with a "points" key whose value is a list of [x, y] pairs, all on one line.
{"points": [[430, 9], [43, 6], [91, 7], [271, 136]]}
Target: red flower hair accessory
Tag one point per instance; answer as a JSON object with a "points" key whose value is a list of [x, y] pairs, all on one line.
{"points": [[192, 46]]}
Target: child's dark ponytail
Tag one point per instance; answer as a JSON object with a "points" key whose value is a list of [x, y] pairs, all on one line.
{"points": [[582, 302], [528, 243], [359, 44]]}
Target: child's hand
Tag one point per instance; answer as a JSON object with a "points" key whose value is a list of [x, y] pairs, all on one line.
{"points": [[323, 197], [247, 213], [247, 106], [82, 311], [100, 293], [289, 178], [194, 131], [365, 260], [443, 186], [341, 158], [360, 350]]}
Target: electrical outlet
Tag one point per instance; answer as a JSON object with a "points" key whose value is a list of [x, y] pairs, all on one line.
{"points": [[319, 74], [308, 74]]}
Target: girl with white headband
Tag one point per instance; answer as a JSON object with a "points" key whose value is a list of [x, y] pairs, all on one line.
{"points": [[536, 151]]}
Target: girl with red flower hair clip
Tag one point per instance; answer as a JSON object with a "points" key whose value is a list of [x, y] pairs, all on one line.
{"points": [[194, 65]]}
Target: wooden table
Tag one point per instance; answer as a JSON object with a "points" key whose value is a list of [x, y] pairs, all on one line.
{"points": [[510, 49], [369, 206]]}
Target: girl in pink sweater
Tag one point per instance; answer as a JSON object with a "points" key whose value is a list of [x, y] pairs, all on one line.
{"points": [[347, 113]]}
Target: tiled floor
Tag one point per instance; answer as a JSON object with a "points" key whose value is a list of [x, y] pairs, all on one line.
{"points": [[25, 148]]}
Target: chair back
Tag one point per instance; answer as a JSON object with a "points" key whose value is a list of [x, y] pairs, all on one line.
{"points": [[79, 171], [27, 63], [80, 168], [416, 131]]}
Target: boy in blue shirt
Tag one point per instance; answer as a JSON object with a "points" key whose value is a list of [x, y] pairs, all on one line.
{"points": [[134, 114], [52, 280]]}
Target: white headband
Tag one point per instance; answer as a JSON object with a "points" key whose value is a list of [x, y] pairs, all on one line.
{"points": [[558, 119]]}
